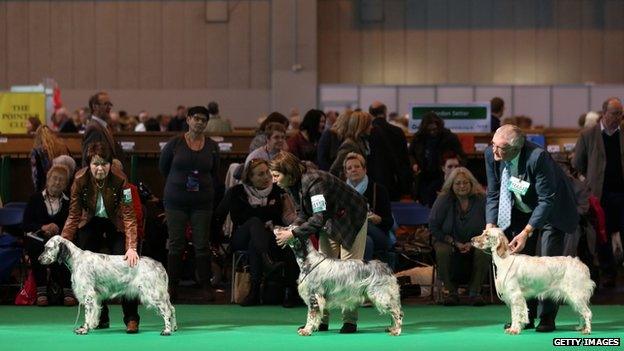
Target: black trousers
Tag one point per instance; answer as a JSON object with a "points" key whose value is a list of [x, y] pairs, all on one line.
{"points": [[100, 235], [254, 238], [547, 241]]}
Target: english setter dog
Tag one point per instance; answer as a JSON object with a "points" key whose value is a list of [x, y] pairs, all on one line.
{"points": [[98, 277], [521, 277], [326, 283]]}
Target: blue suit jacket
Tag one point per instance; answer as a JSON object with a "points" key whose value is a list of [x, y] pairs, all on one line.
{"points": [[550, 194]]}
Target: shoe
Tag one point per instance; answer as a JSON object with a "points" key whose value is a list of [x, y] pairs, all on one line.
{"points": [[103, 325], [451, 300], [132, 327], [477, 301], [348, 328], [69, 301], [531, 325], [546, 325], [42, 301]]}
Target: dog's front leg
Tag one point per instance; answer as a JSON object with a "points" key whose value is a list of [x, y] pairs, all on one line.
{"points": [[519, 313], [314, 317], [92, 314]]}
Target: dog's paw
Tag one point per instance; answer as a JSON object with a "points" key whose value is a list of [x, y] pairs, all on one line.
{"points": [[394, 331], [304, 331], [513, 330], [81, 331], [165, 332], [585, 331]]}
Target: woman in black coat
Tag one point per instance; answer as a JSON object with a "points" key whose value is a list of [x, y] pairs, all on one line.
{"points": [[44, 217], [255, 206]]}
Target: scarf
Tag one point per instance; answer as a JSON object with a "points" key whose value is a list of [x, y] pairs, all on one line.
{"points": [[361, 187], [257, 197]]}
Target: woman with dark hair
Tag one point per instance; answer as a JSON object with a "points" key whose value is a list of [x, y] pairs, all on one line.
{"points": [[327, 207], [101, 215], [190, 163], [330, 141], [304, 143], [430, 142], [255, 206], [261, 138], [44, 216]]}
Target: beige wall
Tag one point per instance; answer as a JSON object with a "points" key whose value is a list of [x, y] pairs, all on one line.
{"points": [[167, 49], [472, 42]]}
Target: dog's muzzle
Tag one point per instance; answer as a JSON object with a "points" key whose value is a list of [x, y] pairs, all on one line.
{"points": [[45, 259]]}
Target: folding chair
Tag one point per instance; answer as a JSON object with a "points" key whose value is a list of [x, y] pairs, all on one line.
{"points": [[11, 251]]}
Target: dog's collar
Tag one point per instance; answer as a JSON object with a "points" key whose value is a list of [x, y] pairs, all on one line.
{"points": [[312, 269]]}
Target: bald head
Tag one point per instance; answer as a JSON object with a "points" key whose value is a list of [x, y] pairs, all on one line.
{"points": [[378, 110]]}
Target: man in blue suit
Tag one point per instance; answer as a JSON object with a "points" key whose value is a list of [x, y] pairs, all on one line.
{"points": [[531, 199]]}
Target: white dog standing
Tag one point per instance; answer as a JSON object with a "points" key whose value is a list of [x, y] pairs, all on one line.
{"points": [[326, 283], [521, 277], [98, 277]]}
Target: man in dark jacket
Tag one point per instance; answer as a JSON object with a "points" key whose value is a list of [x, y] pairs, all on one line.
{"points": [[388, 163]]}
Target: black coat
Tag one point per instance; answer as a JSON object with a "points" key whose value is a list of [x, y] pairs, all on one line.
{"points": [[388, 162], [236, 204], [36, 214]]}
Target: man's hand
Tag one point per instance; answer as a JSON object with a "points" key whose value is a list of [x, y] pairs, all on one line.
{"points": [[132, 257], [490, 225], [464, 248], [517, 244], [283, 237], [373, 218]]}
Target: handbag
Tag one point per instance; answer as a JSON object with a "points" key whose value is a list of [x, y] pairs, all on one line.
{"points": [[242, 286]]}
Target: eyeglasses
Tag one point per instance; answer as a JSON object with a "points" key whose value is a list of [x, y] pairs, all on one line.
{"points": [[505, 148], [105, 104]]}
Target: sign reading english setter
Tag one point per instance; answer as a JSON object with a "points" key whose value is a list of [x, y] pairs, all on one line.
{"points": [[467, 117]]}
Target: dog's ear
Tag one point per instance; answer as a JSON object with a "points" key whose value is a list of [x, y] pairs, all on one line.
{"points": [[503, 246], [63, 253]]}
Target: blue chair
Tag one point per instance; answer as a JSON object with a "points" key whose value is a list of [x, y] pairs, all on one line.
{"points": [[411, 214], [11, 252], [21, 205]]}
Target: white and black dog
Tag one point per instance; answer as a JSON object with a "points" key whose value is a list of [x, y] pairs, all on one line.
{"points": [[326, 283], [521, 277], [98, 277]]}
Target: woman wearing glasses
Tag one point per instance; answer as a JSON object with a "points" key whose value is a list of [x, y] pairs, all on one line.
{"points": [[190, 163]]}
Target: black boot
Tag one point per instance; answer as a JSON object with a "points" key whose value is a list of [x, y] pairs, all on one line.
{"points": [[291, 297], [174, 270], [253, 298], [202, 264], [269, 266]]}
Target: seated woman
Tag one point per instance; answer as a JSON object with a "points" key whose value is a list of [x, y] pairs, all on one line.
{"points": [[457, 215], [44, 216], [380, 219], [276, 141], [254, 207]]}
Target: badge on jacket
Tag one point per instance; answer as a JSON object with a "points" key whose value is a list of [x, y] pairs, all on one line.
{"points": [[518, 186], [318, 203], [127, 196]]}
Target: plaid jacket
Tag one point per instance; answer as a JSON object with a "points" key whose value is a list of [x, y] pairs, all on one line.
{"points": [[338, 209]]}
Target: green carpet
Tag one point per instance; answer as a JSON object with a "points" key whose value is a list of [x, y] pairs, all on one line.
{"points": [[230, 327]]}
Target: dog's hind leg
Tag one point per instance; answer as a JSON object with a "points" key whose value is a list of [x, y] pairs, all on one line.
{"points": [[315, 313], [387, 301], [580, 305]]}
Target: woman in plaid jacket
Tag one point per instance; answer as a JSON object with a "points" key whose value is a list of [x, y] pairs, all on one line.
{"points": [[328, 207]]}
